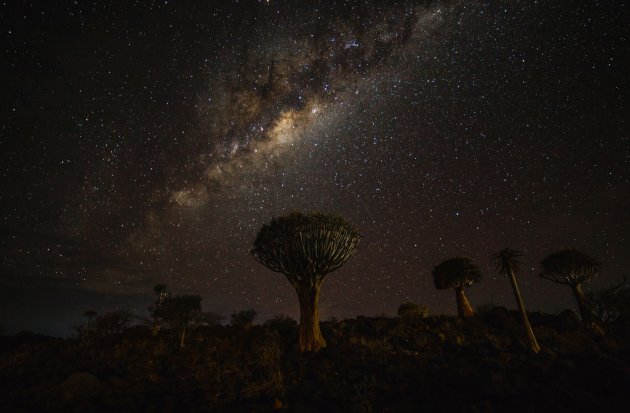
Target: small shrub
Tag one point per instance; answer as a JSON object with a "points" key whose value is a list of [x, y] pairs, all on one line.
{"points": [[112, 323], [268, 378], [612, 302], [282, 324], [413, 310], [486, 308], [212, 319], [244, 318]]}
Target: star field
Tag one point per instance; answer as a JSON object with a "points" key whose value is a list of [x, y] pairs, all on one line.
{"points": [[147, 142]]}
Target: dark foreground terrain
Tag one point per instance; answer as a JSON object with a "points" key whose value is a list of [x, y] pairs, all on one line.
{"points": [[434, 364]]}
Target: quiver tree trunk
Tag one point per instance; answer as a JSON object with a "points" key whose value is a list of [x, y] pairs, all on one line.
{"points": [[586, 311], [464, 308], [533, 343], [311, 338], [182, 337], [583, 305]]}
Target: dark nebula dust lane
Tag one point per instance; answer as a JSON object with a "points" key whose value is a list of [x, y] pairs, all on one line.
{"points": [[147, 143]]}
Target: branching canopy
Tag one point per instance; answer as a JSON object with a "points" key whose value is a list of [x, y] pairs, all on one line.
{"points": [[305, 247], [455, 272], [612, 302], [507, 260], [569, 267]]}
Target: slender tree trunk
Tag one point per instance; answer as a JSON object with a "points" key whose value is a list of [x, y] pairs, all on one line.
{"points": [[533, 343], [588, 315], [155, 329], [183, 336], [583, 305], [463, 306], [311, 338]]}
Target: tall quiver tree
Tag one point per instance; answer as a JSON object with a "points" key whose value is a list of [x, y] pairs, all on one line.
{"points": [[508, 262], [574, 268], [457, 273], [305, 248], [160, 292], [181, 312], [90, 314]]}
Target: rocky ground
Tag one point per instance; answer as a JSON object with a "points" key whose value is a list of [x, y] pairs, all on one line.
{"points": [[481, 364]]}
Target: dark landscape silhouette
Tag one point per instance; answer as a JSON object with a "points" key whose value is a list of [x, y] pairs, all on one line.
{"points": [[184, 359]]}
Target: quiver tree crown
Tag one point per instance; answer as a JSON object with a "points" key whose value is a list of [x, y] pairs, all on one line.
{"points": [[508, 261], [570, 267], [456, 272], [305, 247]]}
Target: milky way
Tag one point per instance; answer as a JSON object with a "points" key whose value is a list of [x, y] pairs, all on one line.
{"points": [[149, 143], [287, 83]]}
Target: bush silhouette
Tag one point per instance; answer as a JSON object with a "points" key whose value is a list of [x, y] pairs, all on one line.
{"points": [[413, 310], [612, 302], [244, 318]]}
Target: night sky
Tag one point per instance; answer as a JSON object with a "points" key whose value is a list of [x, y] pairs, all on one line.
{"points": [[147, 142]]}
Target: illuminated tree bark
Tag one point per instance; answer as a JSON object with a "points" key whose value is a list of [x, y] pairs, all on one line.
{"points": [[311, 338], [464, 309], [533, 343]]}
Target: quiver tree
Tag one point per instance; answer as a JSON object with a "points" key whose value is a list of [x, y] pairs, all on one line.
{"points": [[457, 273], [160, 292], [612, 302], [573, 268], [508, 262], [305, 248], [90, 314], [180, 312], [84, 331]]}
